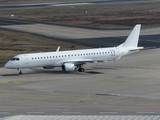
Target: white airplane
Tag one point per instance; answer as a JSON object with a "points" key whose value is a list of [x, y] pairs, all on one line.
{"points": [[75, 59]]}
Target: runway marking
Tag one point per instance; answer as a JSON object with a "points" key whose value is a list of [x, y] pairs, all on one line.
{"points": [[71, 4], [129, 95], [7, 109], [80, 107], [35, 112], [12, 82], [127, 67], [113, 109], [4, 82], [85, 99], [153, 40], [4, 112], [71, 112], [145, 112], [60, 109], [108, 112], [19, 82]]}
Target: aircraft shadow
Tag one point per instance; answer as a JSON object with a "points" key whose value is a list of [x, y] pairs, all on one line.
{"points": [[93, 70], [5, 75], [35, 71]]}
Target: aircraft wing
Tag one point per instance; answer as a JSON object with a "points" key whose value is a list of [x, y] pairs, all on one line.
{"points": [[78, 61]]}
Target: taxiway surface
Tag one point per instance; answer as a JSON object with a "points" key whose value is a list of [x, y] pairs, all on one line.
{"points": [[149, 37], [129, 86], [53, 4]]}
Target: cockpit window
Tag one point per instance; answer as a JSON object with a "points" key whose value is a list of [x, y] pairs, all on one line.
{"points": [[13, 59]]}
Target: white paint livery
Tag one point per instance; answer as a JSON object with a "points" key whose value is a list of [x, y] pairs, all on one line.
{"points": [[75, 59]]}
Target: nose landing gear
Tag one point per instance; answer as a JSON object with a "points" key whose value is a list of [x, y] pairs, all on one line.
{"points": [[20, 72]]}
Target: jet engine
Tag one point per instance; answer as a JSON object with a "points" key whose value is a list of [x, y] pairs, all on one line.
{"points": [[48, 67], [68, 67]]}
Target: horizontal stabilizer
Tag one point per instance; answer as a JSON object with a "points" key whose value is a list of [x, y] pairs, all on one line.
{"points": [[138, 48]]}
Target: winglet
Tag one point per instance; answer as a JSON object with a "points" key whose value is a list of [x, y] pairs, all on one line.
{"points": [[58, 49]]}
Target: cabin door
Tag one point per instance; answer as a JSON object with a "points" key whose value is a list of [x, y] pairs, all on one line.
{"points": [[118, 53], [26, 59]]}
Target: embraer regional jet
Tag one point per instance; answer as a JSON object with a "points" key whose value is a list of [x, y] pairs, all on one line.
{"points": [[75, 59]]}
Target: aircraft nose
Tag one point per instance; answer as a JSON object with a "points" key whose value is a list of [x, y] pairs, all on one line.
{"points": [[8, 65]]}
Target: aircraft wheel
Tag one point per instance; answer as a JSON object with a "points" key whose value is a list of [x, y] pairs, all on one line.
{"points": [[20, 72], [81, 69]]}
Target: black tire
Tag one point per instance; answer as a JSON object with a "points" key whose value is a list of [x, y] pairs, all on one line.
{"points": [[81, 69], [20, 73]]}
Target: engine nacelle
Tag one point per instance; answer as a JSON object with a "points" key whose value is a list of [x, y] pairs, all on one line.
{"points": [[68, 67], [48, 67]]}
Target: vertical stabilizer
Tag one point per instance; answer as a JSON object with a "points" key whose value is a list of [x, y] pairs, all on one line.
{"points": [[132, 40]]}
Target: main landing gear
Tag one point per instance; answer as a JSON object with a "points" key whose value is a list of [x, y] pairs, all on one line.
{"points": [[80, 68], [20, 72]]}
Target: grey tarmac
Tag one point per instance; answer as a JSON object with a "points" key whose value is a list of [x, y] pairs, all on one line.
{"points": [[149, 37], [54, 4], [129, 86]]}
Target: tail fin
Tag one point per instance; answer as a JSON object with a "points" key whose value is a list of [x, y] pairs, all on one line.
{"points": [[132, 40]]}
